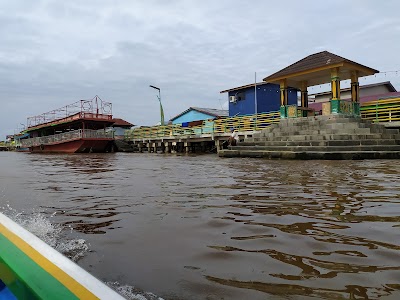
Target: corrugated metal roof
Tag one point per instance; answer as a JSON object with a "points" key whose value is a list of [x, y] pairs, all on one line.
{"points": [[318, 106], [243, 87], [213, 111], [208, 111], [380, 97], [391, 88]]}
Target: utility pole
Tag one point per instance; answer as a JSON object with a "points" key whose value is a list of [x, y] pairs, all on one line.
{"points": [[255, 99]]}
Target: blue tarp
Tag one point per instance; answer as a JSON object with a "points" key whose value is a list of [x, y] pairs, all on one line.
{"points": [[5, 293]]}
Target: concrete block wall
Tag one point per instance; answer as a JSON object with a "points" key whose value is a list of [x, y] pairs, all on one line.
{"points": [[332, 137]]}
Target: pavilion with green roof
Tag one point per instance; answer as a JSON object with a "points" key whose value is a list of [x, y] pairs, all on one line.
{"points": [[316, 69]]}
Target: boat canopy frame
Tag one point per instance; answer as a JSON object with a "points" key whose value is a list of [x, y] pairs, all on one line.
{"points": [[95, 106]]}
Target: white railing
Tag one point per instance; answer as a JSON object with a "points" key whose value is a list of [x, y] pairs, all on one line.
{"points": [[67, 136]]}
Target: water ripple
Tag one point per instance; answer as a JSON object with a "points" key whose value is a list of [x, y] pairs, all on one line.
{"points": [[200, 227]]}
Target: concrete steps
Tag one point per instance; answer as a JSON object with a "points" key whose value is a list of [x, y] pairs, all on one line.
{"points": [[327, 155], [321, 137], [324, 142], [364, 148], [327, 137]]}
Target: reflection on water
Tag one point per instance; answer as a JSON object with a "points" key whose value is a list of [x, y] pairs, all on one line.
{"points": [[200, 227]]}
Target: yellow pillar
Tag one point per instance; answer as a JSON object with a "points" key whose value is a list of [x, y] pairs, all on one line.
{"points": [[355, 87], [335, 84], [284, 94], [304, 94], [335, 88], [355, 93]]}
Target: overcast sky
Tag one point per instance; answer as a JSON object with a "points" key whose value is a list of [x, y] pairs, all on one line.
{"points": [[53, 53]]}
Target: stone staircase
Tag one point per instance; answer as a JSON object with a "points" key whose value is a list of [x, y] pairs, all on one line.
{"points": [[320, 137]]}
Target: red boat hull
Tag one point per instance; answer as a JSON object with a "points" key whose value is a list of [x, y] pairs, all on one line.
{"points": [[76, 146]]}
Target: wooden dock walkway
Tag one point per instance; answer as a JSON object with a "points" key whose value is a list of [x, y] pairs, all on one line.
{"points": [[211, 135]]}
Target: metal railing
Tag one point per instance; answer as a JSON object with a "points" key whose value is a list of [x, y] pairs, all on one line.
{"points": [[93, 108], [67, 136], [208, 127], [97, 134], [384, 110]]}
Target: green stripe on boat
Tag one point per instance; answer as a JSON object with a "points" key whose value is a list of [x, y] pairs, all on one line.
{"points": [[31, 269], [25, 278]]}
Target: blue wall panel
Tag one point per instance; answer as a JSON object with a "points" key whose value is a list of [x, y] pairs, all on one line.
{"points": [[192, 115], [268, 99]]}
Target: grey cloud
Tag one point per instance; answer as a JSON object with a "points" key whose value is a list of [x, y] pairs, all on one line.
{"points": [[56, 52]]}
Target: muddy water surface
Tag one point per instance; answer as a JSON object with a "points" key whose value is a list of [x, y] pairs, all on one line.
{"points": [[201, 227]]}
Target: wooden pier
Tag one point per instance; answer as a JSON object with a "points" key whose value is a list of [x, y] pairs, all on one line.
{"points": [[6, 146], [212, 135], [189, 144]]}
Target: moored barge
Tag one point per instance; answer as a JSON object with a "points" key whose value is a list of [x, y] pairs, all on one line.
{"points": [[76, 128]]}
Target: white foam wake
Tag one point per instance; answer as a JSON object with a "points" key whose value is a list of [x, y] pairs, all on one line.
{"points": [[131, 293], [55, 235], [52, 234]]}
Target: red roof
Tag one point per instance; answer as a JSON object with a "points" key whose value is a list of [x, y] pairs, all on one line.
{"points": [[388, 84], [380, 97], [121, 123], [318, 106]]}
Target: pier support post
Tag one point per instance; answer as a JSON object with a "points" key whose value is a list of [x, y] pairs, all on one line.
{"points": [[186, 145], [218, 145], [203, 146], [162, 147], [173, 148], [167, 147]]}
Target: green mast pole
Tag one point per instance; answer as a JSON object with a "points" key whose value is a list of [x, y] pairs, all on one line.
{"points": [[161, 107]]}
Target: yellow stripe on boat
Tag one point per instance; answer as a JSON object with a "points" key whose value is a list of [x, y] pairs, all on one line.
{"points": [[44, 272]]}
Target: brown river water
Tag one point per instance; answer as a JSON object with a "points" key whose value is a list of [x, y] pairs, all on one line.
{"points": [[202, 227]]}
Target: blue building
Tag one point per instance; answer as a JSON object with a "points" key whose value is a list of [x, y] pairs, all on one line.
{"points": [[242, 100], [193, 114]]}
